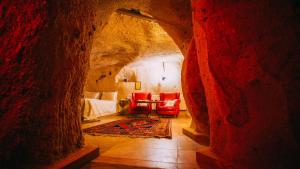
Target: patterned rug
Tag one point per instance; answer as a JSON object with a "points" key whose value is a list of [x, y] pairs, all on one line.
{"points": [[135, 127]]}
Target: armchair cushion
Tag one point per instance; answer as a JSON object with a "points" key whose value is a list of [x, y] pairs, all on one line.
{"points": [[136, 108], [170, 104]]}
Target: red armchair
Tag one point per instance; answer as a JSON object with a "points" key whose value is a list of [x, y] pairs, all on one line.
{"points": [[136, 107], [170, 104]]}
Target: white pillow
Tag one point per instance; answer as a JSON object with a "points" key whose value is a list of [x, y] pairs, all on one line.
{"points": [[170, 103], [91, 95], [109, 96]]}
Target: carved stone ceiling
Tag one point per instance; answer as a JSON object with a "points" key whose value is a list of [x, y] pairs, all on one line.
{"points": [[127, 37]]}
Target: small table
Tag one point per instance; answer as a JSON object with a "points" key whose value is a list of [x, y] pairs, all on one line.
{"points": [[124, 106], [149, 101]]}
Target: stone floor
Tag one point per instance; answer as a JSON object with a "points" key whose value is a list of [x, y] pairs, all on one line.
{"points": [[125, 152]]}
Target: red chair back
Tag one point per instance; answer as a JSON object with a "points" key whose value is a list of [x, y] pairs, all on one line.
{"points": [[141, 96], [169, 96], [134, 108]]}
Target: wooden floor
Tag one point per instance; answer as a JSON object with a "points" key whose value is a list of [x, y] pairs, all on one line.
{"points": [[124, 152]]}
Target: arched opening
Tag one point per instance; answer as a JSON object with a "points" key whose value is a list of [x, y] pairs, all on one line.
{"points": [[247, 55], [132, 47]]}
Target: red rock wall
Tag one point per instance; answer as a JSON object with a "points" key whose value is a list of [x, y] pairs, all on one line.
{"points": [[21, 25], [193, 91], [249, 64], [44, 58], [248, 59], [44, 49]]}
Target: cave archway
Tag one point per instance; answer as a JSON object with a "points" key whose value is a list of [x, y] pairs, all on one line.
{"points": [[249, 65], [53, 56], [191, 81]]}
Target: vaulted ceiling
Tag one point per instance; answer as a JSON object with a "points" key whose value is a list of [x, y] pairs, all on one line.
{"points": [[128, 35]]}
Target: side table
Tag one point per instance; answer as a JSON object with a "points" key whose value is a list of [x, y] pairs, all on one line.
{"points": [[124, 104]]}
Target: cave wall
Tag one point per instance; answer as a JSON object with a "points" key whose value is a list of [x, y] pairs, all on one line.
{"points": [[67, 44], [173, 16], [120, 38], [21, 25], [155, 77], [248, 58], [102, 79], [193, 91], [44, 60], [249, 64]]}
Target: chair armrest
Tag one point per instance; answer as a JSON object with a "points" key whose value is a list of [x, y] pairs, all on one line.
{"points": [[177, 104], [132, 103], [160, 104]]}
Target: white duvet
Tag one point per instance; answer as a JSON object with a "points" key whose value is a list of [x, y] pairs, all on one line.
{"points": [[95, 108]]}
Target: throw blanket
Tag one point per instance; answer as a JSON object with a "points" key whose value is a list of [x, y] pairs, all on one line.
{"points": [[94, 108]]}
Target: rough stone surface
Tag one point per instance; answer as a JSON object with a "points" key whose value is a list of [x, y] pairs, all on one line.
{"points": [[127, 37], [45, 48], [136, 30], [120, 38], [124, 39], [102, 79], [64, 49], [247, 54], [249, 64], [44, 60], [21, 24], [194, 92]]}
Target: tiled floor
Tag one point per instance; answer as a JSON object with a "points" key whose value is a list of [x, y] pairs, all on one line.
{"points": [[124, 152]]}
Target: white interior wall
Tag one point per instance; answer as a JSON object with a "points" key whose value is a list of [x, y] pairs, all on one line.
{"points": [[150, 73]]}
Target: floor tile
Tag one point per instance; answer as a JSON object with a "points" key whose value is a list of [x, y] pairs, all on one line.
{"points": [[187, 156], [166, 165], [178, 152], [188, 166], [159, 155], [185, 143]]}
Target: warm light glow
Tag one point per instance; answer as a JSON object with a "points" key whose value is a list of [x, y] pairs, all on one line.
{"points": [[159, 73]]}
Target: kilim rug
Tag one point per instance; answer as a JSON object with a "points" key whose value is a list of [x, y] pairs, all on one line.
{"points": [[135, 127]]}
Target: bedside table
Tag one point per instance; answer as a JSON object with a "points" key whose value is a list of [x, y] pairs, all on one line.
{"points": [[124, 106]]}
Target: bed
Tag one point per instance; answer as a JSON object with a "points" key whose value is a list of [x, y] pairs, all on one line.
{"points": [[97, 104]]}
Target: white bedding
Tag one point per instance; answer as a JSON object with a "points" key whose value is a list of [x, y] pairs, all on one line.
{"points": [[94, 108]]}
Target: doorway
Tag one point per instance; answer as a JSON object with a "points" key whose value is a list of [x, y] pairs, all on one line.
{"points": [[138, 50]]}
